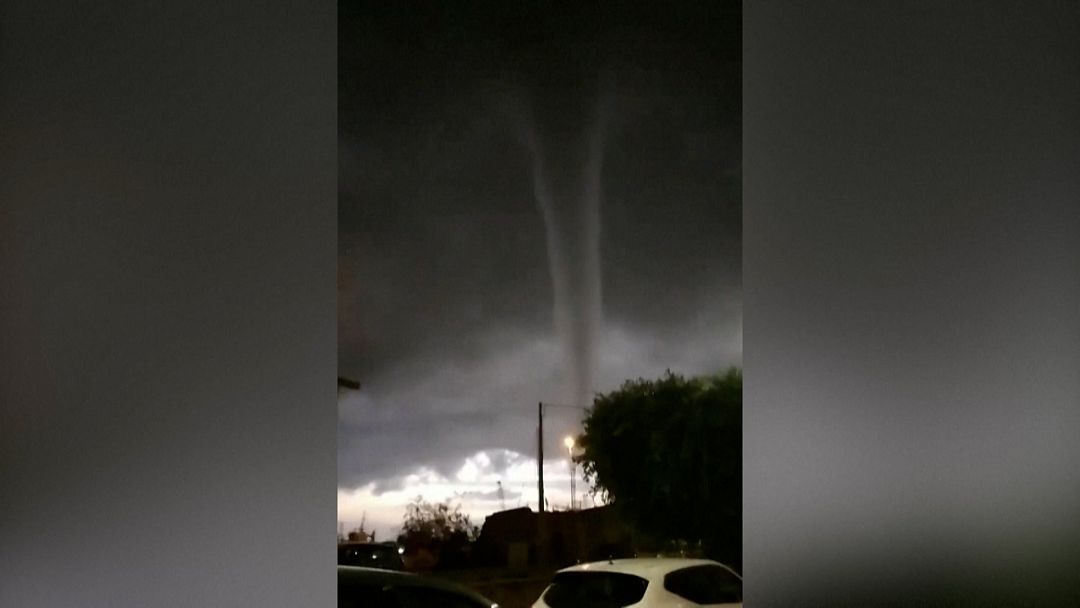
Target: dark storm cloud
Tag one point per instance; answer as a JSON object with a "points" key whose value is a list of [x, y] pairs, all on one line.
{"points": [[445, 296]]}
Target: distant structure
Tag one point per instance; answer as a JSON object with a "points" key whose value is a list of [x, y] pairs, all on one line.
{"points": [[502, 497], [515, 538]]}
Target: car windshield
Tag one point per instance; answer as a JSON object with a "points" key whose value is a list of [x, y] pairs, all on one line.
{"points": [[594, 590]]}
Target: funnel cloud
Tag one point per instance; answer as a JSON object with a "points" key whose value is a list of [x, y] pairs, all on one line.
{"points": [[565, 138]]}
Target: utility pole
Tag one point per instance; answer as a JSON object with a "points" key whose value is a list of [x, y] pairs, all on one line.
{"points": [[541, 529], [573, 471], [572, 488], [540, 455]]}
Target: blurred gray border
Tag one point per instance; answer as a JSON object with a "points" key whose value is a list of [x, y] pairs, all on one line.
{"points": [[167, 435], [912, 272]]}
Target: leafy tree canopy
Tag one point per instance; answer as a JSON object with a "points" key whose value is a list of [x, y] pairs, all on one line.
{"points": [[668, 454], [432, 523]]}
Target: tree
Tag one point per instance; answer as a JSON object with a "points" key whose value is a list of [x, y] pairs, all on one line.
{"points": [[440, 529], [668, 454]]}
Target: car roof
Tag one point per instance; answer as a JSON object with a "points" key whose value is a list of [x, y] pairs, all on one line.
{"points": [[361, 574], [645, 566]]}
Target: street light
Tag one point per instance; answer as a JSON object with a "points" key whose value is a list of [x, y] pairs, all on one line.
{"points": [[540, 448], [569, 443]]}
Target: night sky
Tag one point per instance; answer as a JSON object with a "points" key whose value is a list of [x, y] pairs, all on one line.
{"points": [[446, 300]]}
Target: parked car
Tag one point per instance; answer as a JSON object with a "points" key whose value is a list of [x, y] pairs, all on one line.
{"points": [[370, 555], [375, 588], [644, 583]]}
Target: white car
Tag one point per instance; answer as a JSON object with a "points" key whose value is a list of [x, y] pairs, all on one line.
{"points": [[669, 582]]}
